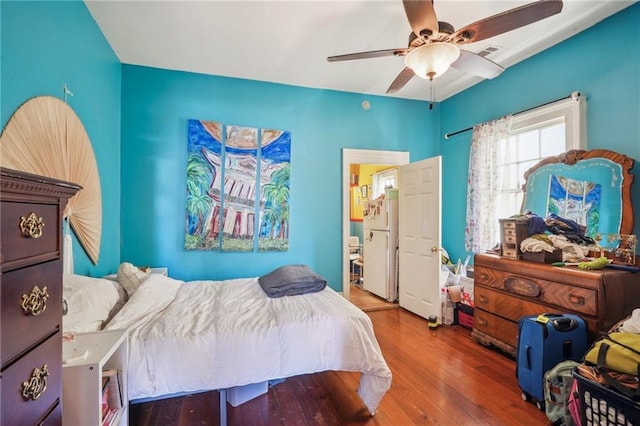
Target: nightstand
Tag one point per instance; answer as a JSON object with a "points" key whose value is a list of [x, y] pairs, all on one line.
{"points": [[85, 358], [161, 271]]}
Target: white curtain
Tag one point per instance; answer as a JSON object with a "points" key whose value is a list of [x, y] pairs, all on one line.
{"points": [[488, 146]]}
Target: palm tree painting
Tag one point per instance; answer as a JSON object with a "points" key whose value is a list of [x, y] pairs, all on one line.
{"points": [[275, 166], [239, 196], [225, 166], [204, 143]]}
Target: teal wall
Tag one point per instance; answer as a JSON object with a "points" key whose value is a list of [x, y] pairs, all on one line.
{"points": [[45, 45], [156, 105], [602, 62], [136, 120]]}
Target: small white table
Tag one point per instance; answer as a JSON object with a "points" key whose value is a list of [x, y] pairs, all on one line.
{"points": [[84, 359], [161, 271]]}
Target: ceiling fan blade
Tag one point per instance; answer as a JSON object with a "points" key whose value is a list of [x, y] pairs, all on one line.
{"points": [[421, 16], [474, 64], [370, 54], [507, 21], [403, 78]]}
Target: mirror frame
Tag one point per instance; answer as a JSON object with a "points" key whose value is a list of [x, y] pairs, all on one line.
{"points": [[574, 156]]}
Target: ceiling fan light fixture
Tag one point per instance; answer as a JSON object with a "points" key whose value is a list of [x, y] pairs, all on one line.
{"points": [[431, 60]]}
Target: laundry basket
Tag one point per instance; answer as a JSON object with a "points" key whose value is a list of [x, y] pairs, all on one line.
{"points": [[602, 406]]}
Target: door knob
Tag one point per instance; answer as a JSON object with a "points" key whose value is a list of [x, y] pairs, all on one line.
{"points": [[434, 249]]}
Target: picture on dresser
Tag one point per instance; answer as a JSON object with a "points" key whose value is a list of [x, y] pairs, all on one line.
{"points": [[574, 199]]}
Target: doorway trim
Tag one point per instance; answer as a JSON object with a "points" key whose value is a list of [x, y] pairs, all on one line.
{"points": [[359, 156]]}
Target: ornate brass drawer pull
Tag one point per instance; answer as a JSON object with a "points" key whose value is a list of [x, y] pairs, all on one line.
{"points": [[482, 321], [31, 226], [483, 299], [33, 388], [35, 302]]}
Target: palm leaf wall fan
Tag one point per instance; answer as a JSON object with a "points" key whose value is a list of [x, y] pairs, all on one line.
{"points": [[45, 136]]}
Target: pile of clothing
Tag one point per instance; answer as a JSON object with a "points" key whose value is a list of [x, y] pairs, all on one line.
{"points": [[555, 232]]}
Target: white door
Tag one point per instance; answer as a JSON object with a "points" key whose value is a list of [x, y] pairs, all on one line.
{"points": [[419, 236], [376, 262]]}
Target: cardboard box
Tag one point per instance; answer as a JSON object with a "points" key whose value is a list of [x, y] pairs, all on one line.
{"points": [[446, 307], [467, 291], [241, 394]]}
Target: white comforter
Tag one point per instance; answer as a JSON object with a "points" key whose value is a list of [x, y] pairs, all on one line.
{"points": [[199, 335]]}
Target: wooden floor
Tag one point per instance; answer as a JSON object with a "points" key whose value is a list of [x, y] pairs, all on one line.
{"points": [[367, 301], [440, 376]]}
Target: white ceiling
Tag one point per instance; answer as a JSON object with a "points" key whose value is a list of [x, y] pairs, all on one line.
{"points": [[288, 41]]}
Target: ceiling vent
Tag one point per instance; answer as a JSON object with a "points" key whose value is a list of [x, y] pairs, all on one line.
{"points": [[488, 51]]}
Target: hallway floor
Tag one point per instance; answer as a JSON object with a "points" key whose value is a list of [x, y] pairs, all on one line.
{"points": [[368, 302]]}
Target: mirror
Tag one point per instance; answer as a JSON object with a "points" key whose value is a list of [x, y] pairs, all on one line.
{"points": [[592, 188]]}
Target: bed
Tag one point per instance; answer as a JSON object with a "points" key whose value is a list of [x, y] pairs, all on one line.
{"points": [[193, 336]]}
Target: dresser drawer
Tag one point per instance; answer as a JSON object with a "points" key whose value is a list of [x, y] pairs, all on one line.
{"points": [[564, 297], [21, 329], [513, 308], [580, 300], [492, 325], [30, 233], [510, 250], [504, 305], [487, 277], [46, 357], [54, 418], [509, 235]]}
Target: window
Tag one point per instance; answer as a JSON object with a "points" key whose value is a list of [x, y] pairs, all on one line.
{"points": [[535, 134], [381, 181]]}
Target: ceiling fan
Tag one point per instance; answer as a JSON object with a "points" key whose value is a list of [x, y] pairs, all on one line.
{"points": [[433, 45]]}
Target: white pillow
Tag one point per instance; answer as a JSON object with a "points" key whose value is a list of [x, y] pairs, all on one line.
{"points": [[154, 295], [130, 277], [89, 302]]}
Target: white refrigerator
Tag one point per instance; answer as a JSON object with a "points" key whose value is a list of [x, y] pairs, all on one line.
{"points": [[380, 247]]}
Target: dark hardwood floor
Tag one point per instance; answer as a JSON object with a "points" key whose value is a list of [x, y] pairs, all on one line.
{"points": [[440, 376]]}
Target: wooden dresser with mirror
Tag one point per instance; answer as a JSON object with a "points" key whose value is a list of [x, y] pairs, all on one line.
{"points": [[506, 289], [31, 214]]}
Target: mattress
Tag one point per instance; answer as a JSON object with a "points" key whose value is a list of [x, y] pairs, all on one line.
{"points": [[205, 335]]}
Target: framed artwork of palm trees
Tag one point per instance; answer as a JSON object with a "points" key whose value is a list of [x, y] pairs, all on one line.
{"points": [[275, 166], [237, 188]]}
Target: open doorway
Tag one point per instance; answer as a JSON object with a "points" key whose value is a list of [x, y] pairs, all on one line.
{"points": [[358, 156], [374, 224]]}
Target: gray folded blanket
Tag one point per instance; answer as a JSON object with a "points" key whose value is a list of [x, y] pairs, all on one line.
{"points": [[291, 280]]}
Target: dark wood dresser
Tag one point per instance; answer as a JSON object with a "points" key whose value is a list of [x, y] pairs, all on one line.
{"points": [[31, 209], [506, 289]]}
